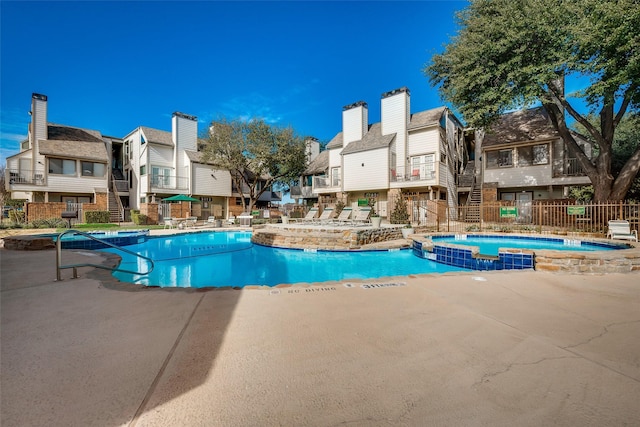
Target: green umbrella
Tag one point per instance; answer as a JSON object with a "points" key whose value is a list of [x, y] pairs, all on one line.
{"points": [[180, 198]]}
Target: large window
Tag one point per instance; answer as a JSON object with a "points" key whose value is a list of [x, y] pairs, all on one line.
{"points": [[93, 169], [533, 155], [499, 159], [160, 177], [62, 166], [335, 177], [423, 167]]}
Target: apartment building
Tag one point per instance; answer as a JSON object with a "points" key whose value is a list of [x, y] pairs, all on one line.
{"points": [[60, 163], [416, 154]]}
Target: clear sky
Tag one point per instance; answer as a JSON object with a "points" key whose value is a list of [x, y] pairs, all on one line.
{"points": [[114, 66]]}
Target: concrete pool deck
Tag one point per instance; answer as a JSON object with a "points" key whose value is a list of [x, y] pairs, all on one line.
{"points": [[501, 349]]}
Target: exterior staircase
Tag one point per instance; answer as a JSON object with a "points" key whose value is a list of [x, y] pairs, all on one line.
{"points": [[114, 209], [468, 179]]}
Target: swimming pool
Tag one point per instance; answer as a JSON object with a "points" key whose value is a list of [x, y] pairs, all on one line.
{"points": [[489, 244], [221, 259], [496, 252], [118, 238]]}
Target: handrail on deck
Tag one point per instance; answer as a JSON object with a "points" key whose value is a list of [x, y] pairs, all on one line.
{"points": [[75, 266]]}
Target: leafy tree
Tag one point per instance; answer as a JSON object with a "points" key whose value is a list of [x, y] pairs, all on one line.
{"points": [[625, 143], [256, 154], [509, 54]]}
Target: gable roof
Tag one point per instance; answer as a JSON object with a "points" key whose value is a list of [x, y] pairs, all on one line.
{"points": [[157, 136], [73, 142], [372, 140], [336, 142], [70, 133], [426, 118], [521, 126], [319, 164]]}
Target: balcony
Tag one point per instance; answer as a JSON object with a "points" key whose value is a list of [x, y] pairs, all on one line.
{"points": [[420, 173], [168, 182], [323, 182], [26, 177]]}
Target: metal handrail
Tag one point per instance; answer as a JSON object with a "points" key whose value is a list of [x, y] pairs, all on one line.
{"points": [[75, 266]]}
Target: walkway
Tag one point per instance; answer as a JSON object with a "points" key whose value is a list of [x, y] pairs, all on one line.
{"points": [[526, 348]]}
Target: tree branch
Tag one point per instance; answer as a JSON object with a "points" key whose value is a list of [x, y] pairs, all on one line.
{"points": [[626, 100]]}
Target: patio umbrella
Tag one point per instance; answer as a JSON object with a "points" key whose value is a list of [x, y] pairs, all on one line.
{"points": [[181, 198]]}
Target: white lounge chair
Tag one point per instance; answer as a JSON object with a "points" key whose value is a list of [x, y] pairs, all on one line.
{"points": [[169, 223], [326, 216], [620, 229], [362, 216], [343, 217], [310, 216]]}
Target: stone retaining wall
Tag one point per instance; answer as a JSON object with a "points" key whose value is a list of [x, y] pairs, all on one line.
{"points": [[322, 237], [622, 261]]}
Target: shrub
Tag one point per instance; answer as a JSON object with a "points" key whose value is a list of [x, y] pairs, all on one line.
{"points": [[16, 216], [49, 223], [399, 215], [138, 218], [96, 217]]}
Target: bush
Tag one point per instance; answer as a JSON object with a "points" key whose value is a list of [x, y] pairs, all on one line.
{"points": [[16, 216], [399, 215], [96, 217], [138, 218], [49, 223]]}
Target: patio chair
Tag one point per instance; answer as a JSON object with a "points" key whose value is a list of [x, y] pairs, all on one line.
{"points": [[191, 221], [362, 216], [169, 223], [343, 217], [310, 216], [326, 216], [620, 229]]}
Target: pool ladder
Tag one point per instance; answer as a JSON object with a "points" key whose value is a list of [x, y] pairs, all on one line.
{"points": [[60, 267]]}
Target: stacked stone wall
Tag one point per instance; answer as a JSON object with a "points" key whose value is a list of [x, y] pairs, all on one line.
{"points": [[322, 238]]}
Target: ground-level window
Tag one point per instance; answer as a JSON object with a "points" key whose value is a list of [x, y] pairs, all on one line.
{"points": [[499, 159], [62, 166]]}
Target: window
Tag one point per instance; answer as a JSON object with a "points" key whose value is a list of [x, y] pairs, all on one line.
{"points": [[443, 158], [93, 169], [533, 155], [160, 177], [499, 159], [62, 166], [143, 170], [308, 180], [335, 177], [423, 167]]}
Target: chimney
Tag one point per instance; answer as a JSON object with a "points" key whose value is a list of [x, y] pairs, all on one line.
{"points": [[38, 127], [395, 113], [355, 122], [184, 133], [313, 148]]}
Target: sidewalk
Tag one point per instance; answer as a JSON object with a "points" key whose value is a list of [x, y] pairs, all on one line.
{"points": [[500, 349]]}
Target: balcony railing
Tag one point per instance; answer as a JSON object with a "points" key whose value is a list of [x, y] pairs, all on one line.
{"points": [[169, 182], [14, 176], [326, 182], [417, 174]]}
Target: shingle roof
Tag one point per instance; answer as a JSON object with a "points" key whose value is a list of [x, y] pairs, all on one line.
{"points": [[73, 142], [319, 164], [70, 133], [521, 126], [336, 142], [84, 150], [426, 118], [372, 139], [157, 136]]}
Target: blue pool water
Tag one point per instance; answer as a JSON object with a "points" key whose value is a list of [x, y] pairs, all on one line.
{"points": [[219, 259], [489, 245]]}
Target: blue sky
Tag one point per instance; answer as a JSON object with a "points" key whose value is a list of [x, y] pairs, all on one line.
{"points": [[114, 66]]}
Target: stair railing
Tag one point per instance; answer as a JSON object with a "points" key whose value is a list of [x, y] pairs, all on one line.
{"points": [[114, 187], [60, 267]]}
